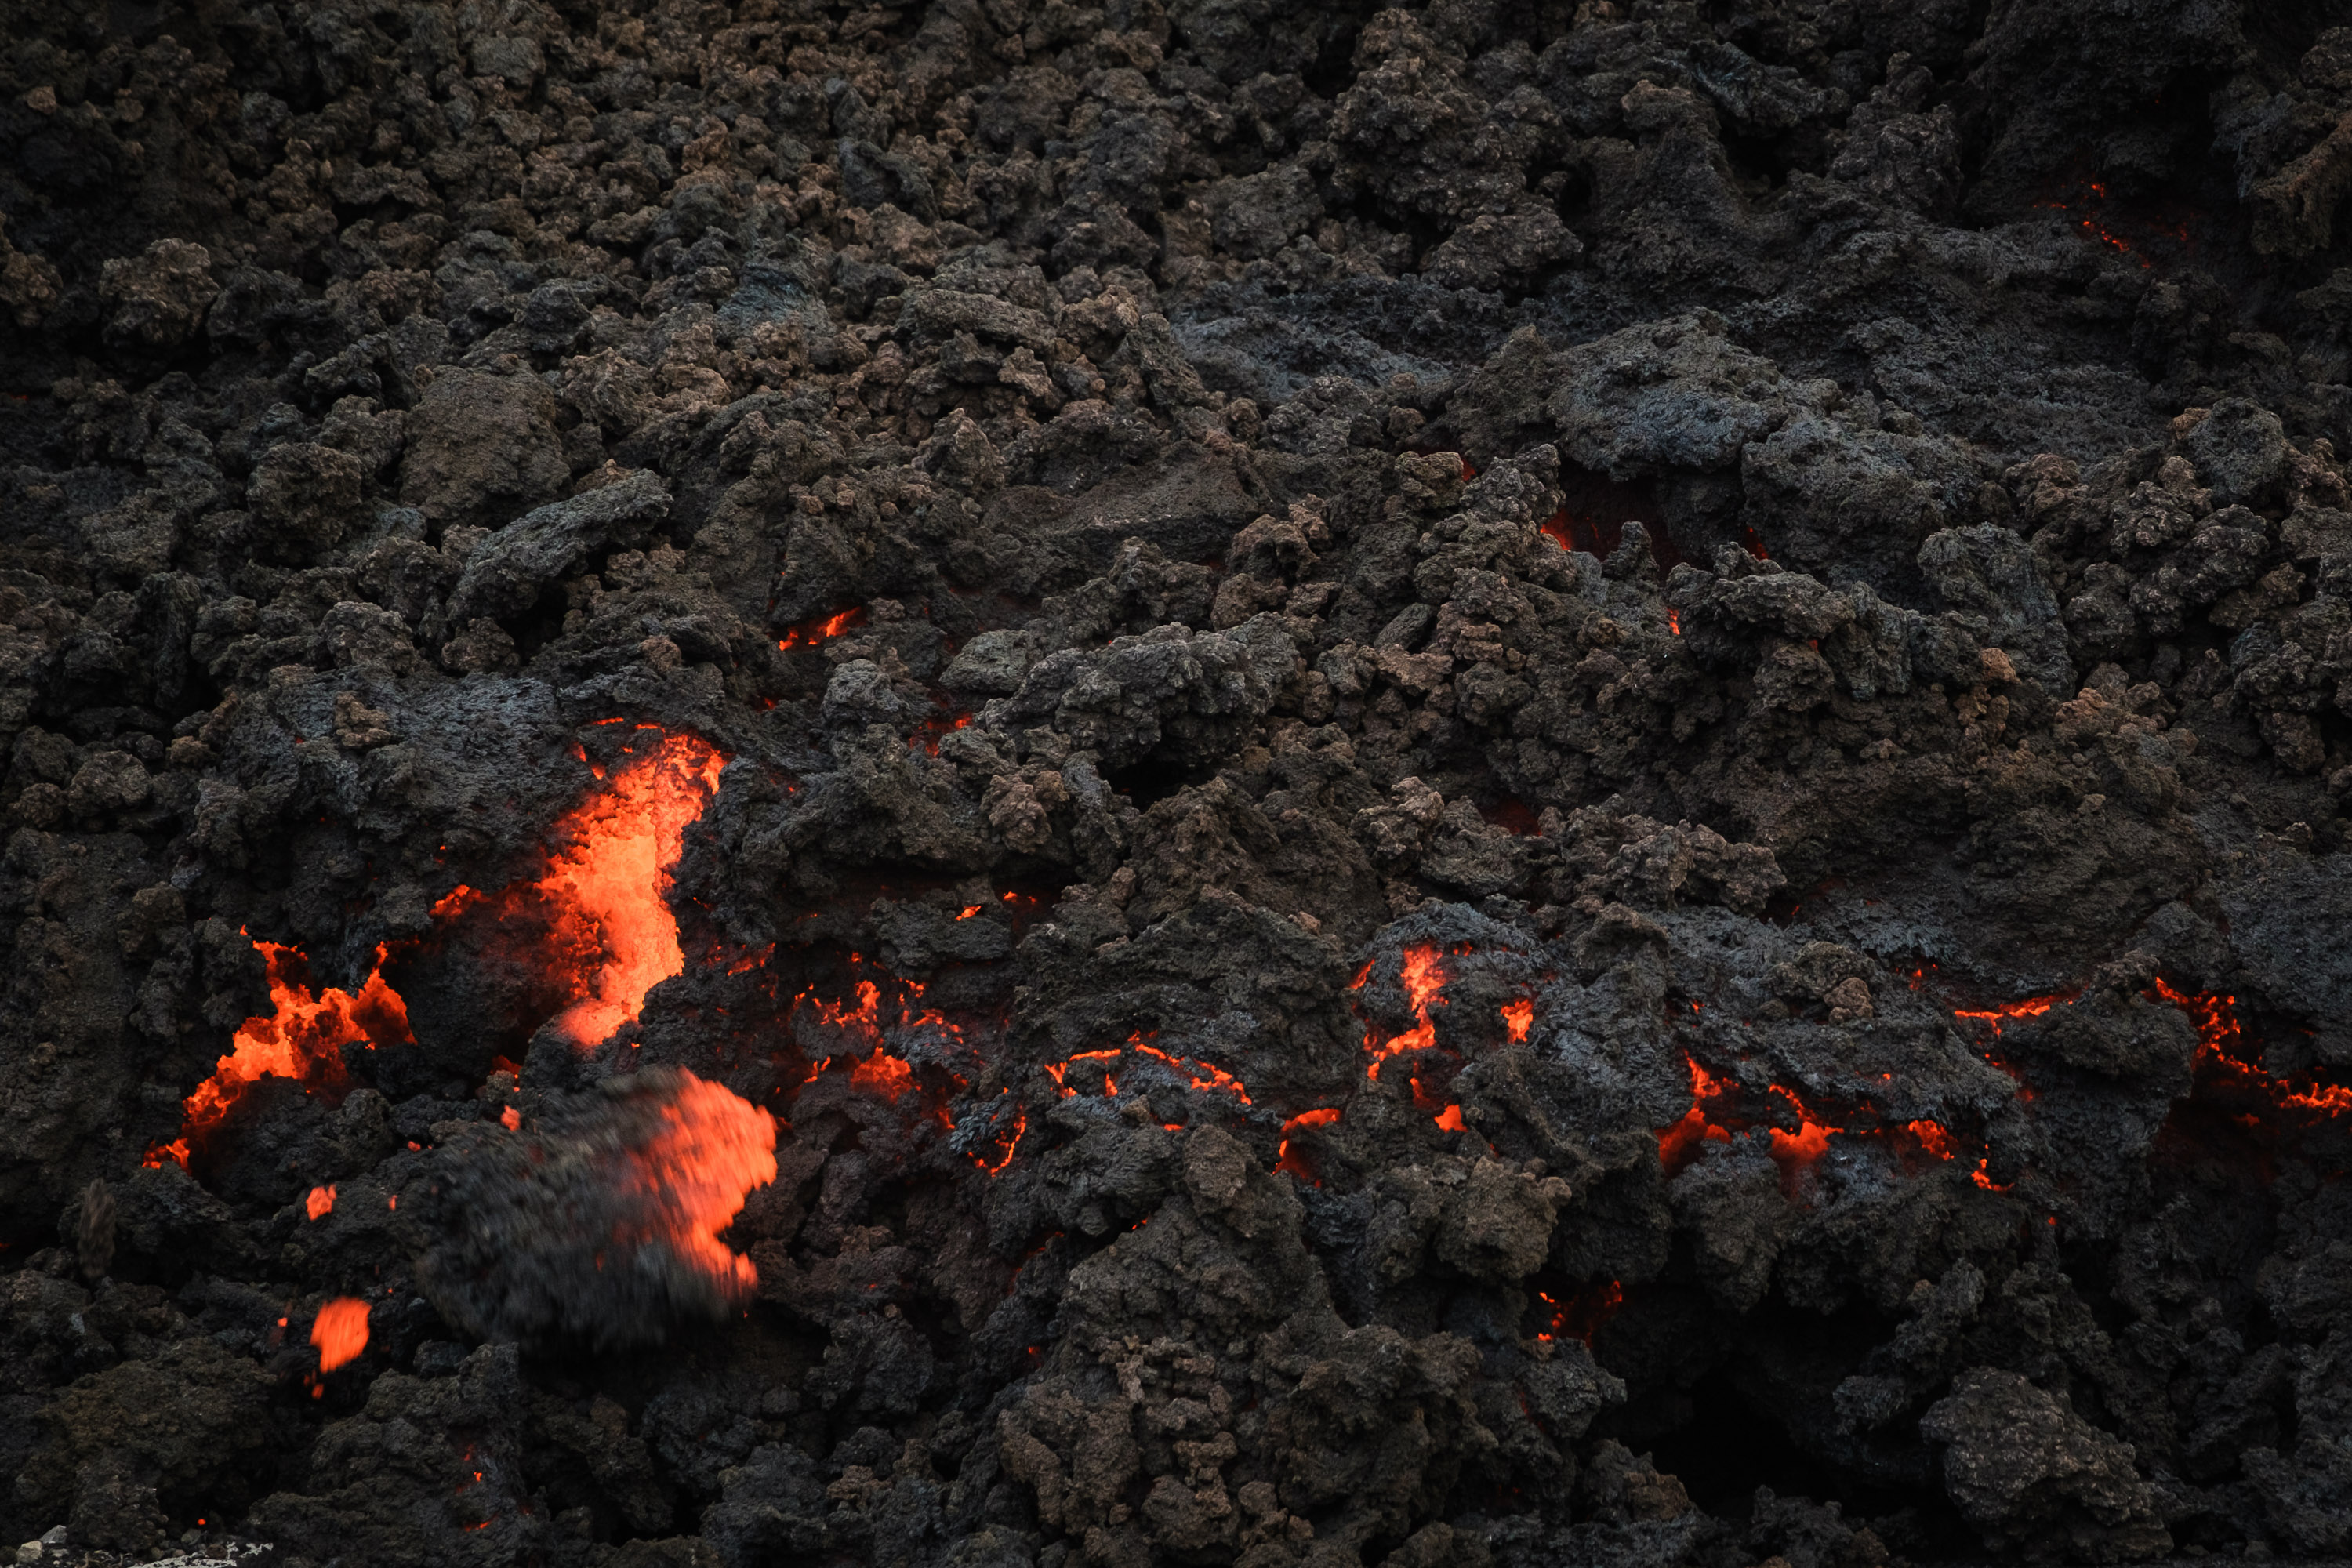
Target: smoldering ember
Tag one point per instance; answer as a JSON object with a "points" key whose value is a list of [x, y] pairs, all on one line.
{"points": [[1001, 783]]}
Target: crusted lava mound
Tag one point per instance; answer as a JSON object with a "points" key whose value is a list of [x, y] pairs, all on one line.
{"points": [[982, 784]]}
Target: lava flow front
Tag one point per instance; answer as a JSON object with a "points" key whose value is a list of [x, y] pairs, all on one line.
{"points": [[604, 903]]}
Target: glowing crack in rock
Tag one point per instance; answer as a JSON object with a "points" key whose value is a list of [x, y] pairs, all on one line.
{"points": [[302, 1038], [609, 890]]}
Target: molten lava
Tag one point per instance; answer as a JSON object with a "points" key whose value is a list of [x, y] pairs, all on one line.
{"points": [[712, 1149], [2220, 1062], [1518, 1018], [1424, 979], [321, 1202], [1007, 1146], [1206, 1077], [2032, 1007], [1715, 1116], [819, 628], [1583, 1314], [341, 1332], [612, 936], [302, 1038], [613, 933]]}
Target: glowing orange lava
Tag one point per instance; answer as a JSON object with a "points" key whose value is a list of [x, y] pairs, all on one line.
{"points": [[1519, 1017], [612, 936], [1423, 978], [1450, 1119], [1296, 1161], [321, 1202], [341, 1332], [613, 932], [1008, 1145], [818, 628], [882, 1074], [302, 1038], [713, 1148], [1932, 1138], [1206, 1077], [2219, 1046], [1715, 1115], [2032, 1007]]}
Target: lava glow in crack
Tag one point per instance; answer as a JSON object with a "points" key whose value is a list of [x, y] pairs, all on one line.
{"points": [[819, 628], [303, 1037], [1583, 1315], [609, 890], [1299, 1162], [1206, 1077], [613, 931], [1424, 979], [880, 1071], [2220, 1041], [1714, 1117]]}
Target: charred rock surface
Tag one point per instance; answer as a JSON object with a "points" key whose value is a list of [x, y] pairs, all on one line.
{"points": [[993, 785]]}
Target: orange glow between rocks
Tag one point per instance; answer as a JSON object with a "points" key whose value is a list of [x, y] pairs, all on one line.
{"points": [[882, 1074], [1712, 1120], [2220, 1041], [818, 628], [341, 1332], [1423, 978], [321, 1202], [302, 1038], [1008, 1145], [1298, 1163], [613, 934], [1583, 1314], [2032, 1007], [1519, 1017], [1206, 1077]]}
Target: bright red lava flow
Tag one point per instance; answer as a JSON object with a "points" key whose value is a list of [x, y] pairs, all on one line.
{"points": [[302, 1038], [610, 890], [612, 936], [713, 1148]]}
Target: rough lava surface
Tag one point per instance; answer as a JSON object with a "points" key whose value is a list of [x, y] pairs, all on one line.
{"points": [[996, 784]]}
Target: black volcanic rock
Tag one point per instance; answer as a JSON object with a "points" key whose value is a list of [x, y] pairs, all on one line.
{"points": [[1452, 786]]}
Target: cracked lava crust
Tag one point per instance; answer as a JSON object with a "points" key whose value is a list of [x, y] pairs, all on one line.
{"points": [[999, 784]]}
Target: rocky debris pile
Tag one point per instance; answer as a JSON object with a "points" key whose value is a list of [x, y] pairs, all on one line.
{"points": [[1451, 787]]}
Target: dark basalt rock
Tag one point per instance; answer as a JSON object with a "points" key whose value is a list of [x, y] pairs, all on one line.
{"points": [[1492, 787]]}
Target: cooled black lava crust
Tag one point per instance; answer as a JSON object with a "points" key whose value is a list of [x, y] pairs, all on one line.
{"points": [[1490, 785]]}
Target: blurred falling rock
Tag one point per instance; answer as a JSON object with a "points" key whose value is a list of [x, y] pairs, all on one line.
{"points": [[600, 1220]]}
